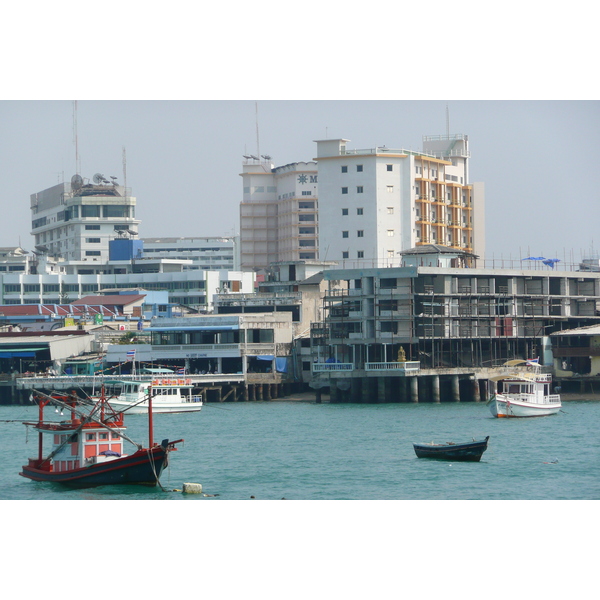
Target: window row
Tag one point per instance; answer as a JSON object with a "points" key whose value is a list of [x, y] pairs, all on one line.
{"points": [[359, 254], [359, 189], [359, 168]]}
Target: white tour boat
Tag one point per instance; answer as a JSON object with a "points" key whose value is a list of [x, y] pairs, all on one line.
{"points": [[169, 395], [526, 394]]}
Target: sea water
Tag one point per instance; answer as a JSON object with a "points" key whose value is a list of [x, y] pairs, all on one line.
{"points": [[301, 450]]}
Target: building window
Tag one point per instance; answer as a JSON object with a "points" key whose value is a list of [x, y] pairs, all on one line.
{"points": [[390, 232], [360, 233], [344, 212], [307, 193], [344, 190], [92, 240], [390, 189], [345, 254], [359, 189], [344, 234], [344, 168], [359, 168], [359, 211], [92, 227], [390, 167], [390, 210], [360, 254], [390, 253], [92, 253]]}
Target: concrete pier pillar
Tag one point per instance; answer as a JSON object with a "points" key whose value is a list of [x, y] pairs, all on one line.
{"points": [[455, 389], [318, 396], [355, 387], [365, 390], [381, 390], [414, 389], [475, 390], [402, 390], [334, 392], [435, 388]]}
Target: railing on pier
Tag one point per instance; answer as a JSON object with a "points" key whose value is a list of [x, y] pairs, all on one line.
{"points": [[328, 367], [406, 367]]}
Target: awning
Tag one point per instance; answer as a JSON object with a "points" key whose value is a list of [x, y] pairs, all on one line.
{"points": [[21, 354]]}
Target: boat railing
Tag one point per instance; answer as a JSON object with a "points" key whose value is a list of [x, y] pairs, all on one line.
{"points": [[533, 398]]}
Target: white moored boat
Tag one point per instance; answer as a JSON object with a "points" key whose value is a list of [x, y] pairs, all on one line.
{"points": [[526, 394], [168, 396]]}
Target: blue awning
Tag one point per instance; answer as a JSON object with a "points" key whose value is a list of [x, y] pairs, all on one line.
{"points": [[17, 354]]}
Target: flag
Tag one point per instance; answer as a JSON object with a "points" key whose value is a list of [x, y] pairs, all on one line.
{"points": [[532, 362], [130, 354], [180, 371]]}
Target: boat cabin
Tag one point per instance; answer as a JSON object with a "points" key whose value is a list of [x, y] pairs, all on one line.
{"points": [[90, 446]]}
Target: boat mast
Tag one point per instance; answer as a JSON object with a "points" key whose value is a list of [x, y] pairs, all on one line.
{"points": [[150, 424]]}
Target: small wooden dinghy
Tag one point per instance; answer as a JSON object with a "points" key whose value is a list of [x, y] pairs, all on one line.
{"points": [[469, 451]]}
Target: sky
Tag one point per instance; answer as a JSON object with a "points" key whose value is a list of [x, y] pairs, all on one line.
{"points": [[537, 158]]}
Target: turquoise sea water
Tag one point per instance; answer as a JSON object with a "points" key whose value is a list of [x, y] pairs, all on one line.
{"points": [[300, 450]]}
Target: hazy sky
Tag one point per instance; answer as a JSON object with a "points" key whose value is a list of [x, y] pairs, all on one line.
{"points": [[538, 159]]}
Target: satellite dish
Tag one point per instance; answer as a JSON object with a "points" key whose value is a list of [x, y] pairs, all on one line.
{"points": [[98, 177], [76, 182]]}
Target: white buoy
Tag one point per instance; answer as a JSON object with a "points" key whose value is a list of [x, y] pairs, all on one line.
{"points": [[192, 488]]}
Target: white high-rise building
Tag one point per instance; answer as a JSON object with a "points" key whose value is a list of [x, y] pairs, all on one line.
{"points": [[376, 202], [278, 213], [76, 220]]}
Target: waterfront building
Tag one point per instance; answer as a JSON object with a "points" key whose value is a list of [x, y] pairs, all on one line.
{"points": [[76, 220], [376, 202], [244, 345], [193, 289], [278, 213], [576, 354], [296, 287], [206, 253], [450, 316]]}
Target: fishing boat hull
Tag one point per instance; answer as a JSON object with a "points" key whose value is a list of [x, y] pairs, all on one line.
{"points": [[144, 467], [505, 407], [468, 452]]}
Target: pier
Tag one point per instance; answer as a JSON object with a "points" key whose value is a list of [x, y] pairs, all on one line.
{"points": [[224, 387]]}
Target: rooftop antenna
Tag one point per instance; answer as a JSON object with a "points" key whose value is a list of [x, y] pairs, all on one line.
{"points": [[75, 136], [257, 146], [124, 172], [447, 122]]}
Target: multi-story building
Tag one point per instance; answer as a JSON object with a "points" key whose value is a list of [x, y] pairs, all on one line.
{"points": [[207, 253], [450, 317], [76, 220], [376, 202], [278, 213], [189, 288]]}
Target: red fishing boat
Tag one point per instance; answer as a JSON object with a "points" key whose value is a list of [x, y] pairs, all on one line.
{"points": [[87, 448]]}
